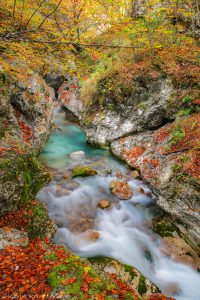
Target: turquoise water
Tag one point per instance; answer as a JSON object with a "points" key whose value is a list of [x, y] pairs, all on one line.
{"points": [[125, 231], [66, 139]]}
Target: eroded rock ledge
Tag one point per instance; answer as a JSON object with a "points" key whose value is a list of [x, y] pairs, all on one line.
{"points": [[169, 160]]}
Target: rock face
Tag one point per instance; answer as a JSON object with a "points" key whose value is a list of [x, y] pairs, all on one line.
{"points": [[25, 114], [103, 203], [55, 80], [147, 107], [25, 120], [168, 159], [69, 96]]}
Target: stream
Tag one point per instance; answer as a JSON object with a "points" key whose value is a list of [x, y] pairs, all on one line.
{"points": [[124, 231]]}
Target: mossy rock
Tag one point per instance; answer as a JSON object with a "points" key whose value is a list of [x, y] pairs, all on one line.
{"points": [[21, 177], [83, 171], [76, 273], [164, 227], [40, 226], [129, 274]]}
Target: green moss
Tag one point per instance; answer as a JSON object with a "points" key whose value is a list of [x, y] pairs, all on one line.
{"points": [[40, 225], [83, 171], [130, 270], [165, 228], [142, 288], [77, 268], [51, 257], [176, 135], [187, 99], [141, 106], [53, 279], [184, 112], [23, 175]]}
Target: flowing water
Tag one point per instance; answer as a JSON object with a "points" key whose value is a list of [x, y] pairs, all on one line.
{"points": [[123, 231]]}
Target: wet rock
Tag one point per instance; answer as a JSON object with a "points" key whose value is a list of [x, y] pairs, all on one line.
{"points": [[180, 251], [108, 171], [121, 189], [78, 155], [135, 174], [12, 237], [85, 220], [118, 174], [81, 225], [83, 171], [104, 203], [71, 185], [91, 235], [141, 191]]}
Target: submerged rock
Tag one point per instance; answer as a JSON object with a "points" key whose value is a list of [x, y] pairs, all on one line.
{"points": [[78, 155], [180, 251], [91, 235], [121, 189], [135, 174], [83, 171], [104, 203]]}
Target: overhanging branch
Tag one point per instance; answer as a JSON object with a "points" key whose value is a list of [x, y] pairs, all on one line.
{"points": [[69, 43]]}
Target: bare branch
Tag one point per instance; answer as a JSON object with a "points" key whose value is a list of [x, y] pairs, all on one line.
{"points": [[33, 14], [50, 14], [14, 7], [69, 43]]}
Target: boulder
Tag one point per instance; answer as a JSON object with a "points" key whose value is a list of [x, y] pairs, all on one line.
{"points": [[103, 203], [121, 189], [91, 235], [135, 174], [83, 171]]}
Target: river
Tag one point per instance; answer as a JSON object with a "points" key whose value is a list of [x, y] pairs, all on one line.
{"points": [[123, 231]]}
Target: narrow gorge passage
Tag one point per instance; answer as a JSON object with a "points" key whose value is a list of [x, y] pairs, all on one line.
{"points": [[122, 231]]}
